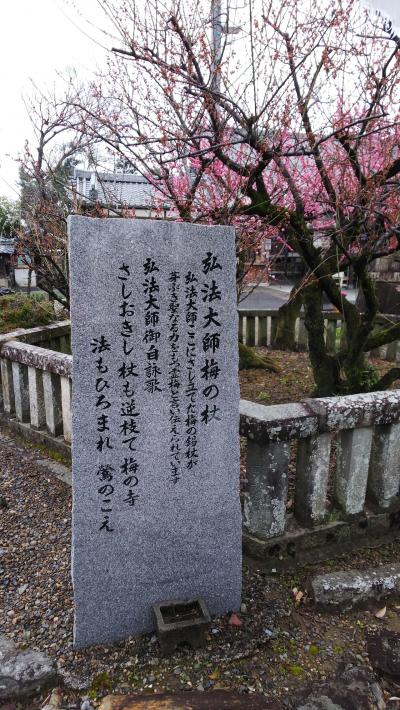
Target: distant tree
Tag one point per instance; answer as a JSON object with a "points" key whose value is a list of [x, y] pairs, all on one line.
{"points": [[46, 199], [9, 218]]}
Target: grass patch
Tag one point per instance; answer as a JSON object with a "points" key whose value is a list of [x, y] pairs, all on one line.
{"points": [[47, 451]]}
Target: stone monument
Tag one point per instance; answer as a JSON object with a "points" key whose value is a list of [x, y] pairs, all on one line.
{"points": [[156, 512]]}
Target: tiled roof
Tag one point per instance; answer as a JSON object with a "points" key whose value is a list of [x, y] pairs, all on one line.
{"points": [[7, 246], [109, 189]]}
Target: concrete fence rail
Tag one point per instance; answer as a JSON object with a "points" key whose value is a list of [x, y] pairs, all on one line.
{"points": [[323, 476], [259, 328], [36, 380]]}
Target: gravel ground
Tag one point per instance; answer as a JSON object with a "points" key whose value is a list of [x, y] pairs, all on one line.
{"points": [[280, 645]]}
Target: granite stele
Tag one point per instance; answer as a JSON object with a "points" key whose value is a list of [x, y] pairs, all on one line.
{"points": [[156, 512]]}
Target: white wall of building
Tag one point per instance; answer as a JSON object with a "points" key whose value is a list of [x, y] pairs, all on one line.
{"points": [[22, 277]]}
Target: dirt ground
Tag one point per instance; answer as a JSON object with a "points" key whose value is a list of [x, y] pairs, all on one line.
{"points": [[293, 384]]}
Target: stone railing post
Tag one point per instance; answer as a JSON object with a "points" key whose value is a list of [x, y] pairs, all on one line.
{"points": [[263, 330], [269, 431], [52, 403], [36, 398], [352, 464], [331, 335], [303, 335], [21, 391], [312, 475], [66, 408], [264, 510], [353, 418], [7, 387], [384, 470]]}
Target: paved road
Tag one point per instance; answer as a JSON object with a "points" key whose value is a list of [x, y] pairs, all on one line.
{"points": [[264, 298], [272, 297]]}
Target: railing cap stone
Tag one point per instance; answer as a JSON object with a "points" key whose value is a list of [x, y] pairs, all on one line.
{"points": [[276, 422], [40, 358], [356, 410], [37, 334]]}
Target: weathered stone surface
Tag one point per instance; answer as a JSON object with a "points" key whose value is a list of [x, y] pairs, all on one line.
{"points": [[352, 463], [264, 510], [384, 652], [313, 456], [7, 648], [42, 358], [21, 391], [384, 469], [354, 688], [345, 589], [176, 539], [38, 437], [7, 386], [299, 546], [215, 700], [40, 334], [23, 672], [356, 410], [277, 422]]}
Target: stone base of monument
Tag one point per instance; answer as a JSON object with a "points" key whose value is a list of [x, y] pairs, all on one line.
{"points": [[181, 622]]}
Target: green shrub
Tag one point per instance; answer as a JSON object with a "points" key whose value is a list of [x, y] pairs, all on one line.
{"points": [[22, 311]]}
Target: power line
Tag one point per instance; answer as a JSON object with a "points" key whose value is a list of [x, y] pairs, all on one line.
{"points": [[80, 29], [9, 185]]}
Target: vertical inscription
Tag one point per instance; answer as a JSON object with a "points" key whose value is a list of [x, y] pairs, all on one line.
{"points": [[152, 334], [129, 415], [192, 306], [191, 391], [174, 376], [105, 471], [211, 342]]}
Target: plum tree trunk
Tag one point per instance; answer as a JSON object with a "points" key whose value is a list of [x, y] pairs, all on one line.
{"points": [[287, 314], [349, 370], [325, 367]]}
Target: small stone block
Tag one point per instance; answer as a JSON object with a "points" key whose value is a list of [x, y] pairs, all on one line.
{"points": [[343, 590], [179, 622]]}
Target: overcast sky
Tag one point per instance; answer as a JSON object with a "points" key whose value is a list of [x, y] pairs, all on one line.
{"points": [[39, 37]]}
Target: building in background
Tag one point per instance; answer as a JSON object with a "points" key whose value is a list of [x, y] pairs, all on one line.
{"points": [[115, 192], [7, 247], [14, 272]]}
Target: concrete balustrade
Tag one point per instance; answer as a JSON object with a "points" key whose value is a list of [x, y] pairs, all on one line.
{"points": [[322, 475], [258, 328], [36, 382], [341, 480]]}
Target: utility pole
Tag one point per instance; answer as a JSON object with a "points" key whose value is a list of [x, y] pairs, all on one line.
{"points": [[216, 25], [219, 28]]}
